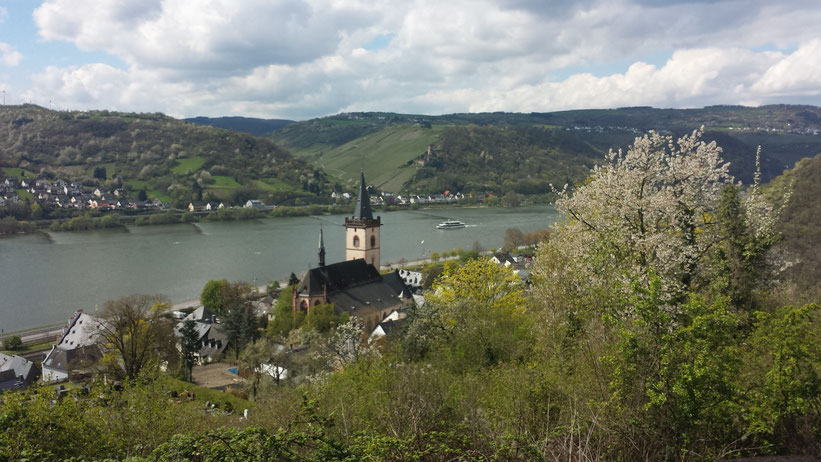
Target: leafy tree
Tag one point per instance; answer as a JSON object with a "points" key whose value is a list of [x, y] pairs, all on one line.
{"points": [[284, 317], [253, 357], [511, 199], [211, 295], [189, 346], [36, 211], [240, 325], [136, 328], [13, 343], [675, 375], [100, 173], [468, 255], [784, 378], [480, 307], [322, 317], [142, 196]]}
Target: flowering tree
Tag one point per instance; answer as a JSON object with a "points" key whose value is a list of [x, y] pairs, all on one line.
{"points": [[652, 210]]}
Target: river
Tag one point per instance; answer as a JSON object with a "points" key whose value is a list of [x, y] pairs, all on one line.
{"points": [[44, 277]]}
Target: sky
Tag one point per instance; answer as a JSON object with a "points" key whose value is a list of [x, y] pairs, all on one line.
{"points": [[301, 59]]}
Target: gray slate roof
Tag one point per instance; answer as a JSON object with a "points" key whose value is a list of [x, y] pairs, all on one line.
{"points": [[16, 372]]}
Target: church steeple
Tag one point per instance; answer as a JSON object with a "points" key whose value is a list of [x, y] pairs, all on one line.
{"points": [[362, 230], [362, 210], [321, 248]]}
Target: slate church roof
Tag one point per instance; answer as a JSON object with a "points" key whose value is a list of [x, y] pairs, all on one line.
{"points": [[354, 284], [337, 276]]}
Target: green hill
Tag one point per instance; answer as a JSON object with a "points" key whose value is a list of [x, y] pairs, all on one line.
{"points": [[501, 152], [252, 125], [801, 224], [169, 158]]}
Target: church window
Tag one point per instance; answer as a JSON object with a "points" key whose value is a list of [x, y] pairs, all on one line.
{"points": [[356, 241], [304, 305], [316, 302], [373, 241]]}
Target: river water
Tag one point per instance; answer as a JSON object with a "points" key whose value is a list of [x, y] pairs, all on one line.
{"points": [[44, 277]]}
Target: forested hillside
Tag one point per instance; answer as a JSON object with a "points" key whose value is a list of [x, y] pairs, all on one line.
{"points": [[483, 152], [251, 125], [801, 225], [169, 158]]}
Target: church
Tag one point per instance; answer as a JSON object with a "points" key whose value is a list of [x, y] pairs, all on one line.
{"points": [[355, 285]]}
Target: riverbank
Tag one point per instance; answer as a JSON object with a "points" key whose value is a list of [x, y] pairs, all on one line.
{"points": [[94, 220]]}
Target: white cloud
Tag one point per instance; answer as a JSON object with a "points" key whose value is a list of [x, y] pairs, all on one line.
{"points": [[797, 74], [9, 57], [3, 13], [306, 58]]}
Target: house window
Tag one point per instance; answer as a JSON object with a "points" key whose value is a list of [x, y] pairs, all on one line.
{"points": [[373, 241], [356, 241]]}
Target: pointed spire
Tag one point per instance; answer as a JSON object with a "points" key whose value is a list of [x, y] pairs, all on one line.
{"points": [[321, 248], [362, 210]]}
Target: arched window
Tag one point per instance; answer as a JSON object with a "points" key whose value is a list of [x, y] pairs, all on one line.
{"points": [[316, 302], [304, 305], [356, 241], [373, 240]]}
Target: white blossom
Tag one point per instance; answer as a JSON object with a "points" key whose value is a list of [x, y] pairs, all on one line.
{"points": [[651, 209]]}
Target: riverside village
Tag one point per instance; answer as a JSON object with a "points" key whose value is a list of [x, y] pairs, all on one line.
{"points": [[358, 289]]}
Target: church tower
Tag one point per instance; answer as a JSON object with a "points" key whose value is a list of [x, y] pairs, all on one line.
{"points": [[362, 230]]}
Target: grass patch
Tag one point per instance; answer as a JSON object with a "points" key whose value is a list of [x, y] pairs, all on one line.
{"points": [[24, 195], [203, 394], [188, 165], [223, 182], [18, 172], [137, 185], [29, 347], [272, 184]]}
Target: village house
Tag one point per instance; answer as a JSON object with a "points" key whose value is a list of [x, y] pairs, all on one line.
{"points": [[412, 279], [211, 339], [196, 206], [16, 372], [255, 203], [76, 348], [391, 325]]}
